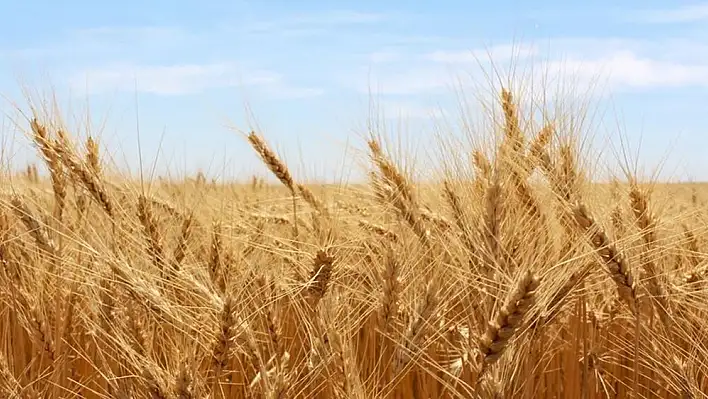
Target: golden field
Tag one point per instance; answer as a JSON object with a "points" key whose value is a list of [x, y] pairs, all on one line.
{"points": [[513, 276]]}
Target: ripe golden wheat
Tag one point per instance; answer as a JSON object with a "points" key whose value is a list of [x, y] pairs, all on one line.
{"points": [[526, 280]]}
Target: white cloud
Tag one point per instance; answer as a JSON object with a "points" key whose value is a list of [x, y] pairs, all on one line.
{"points": [[105, 43], [688, 13], [182, 79], [338, 17], [433, 71], [150, 42], [315, 22], [281, 91], [615, 63], [625, 69], [413, 80], [495, 54], [123, 33], [384, 56], [409, 110]]}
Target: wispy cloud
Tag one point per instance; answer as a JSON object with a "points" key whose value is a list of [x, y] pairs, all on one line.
{"points": [[616, 63], [409, 110], [336, 17], [147, 43], [626, 70], [313, 22], [384, 56], [283, 91], [504, 52], [183, 79], [178, 59], [687, 13], [413, 80], [432, 71], [77, 45]]}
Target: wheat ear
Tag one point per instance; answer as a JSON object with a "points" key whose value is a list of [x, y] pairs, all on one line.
{"points": [[84, 175], [507, 320], [320, 277], [272, 161], [56, 172], [36, 230], [646, 222], [152, 233], [615, 262]]}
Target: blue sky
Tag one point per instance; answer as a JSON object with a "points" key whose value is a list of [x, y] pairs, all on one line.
{"points": [[307, 72]]}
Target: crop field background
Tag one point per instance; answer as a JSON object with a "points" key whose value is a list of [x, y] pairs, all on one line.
{"points": [[514, 274]]}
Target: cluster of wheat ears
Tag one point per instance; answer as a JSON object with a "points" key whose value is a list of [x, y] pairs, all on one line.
{"points": [[525, 280]]}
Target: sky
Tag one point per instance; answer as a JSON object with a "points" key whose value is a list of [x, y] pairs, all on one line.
{"points": [[172, 85]]}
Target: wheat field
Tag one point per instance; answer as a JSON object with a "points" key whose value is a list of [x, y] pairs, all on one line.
{"points": [[516, 275]]}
